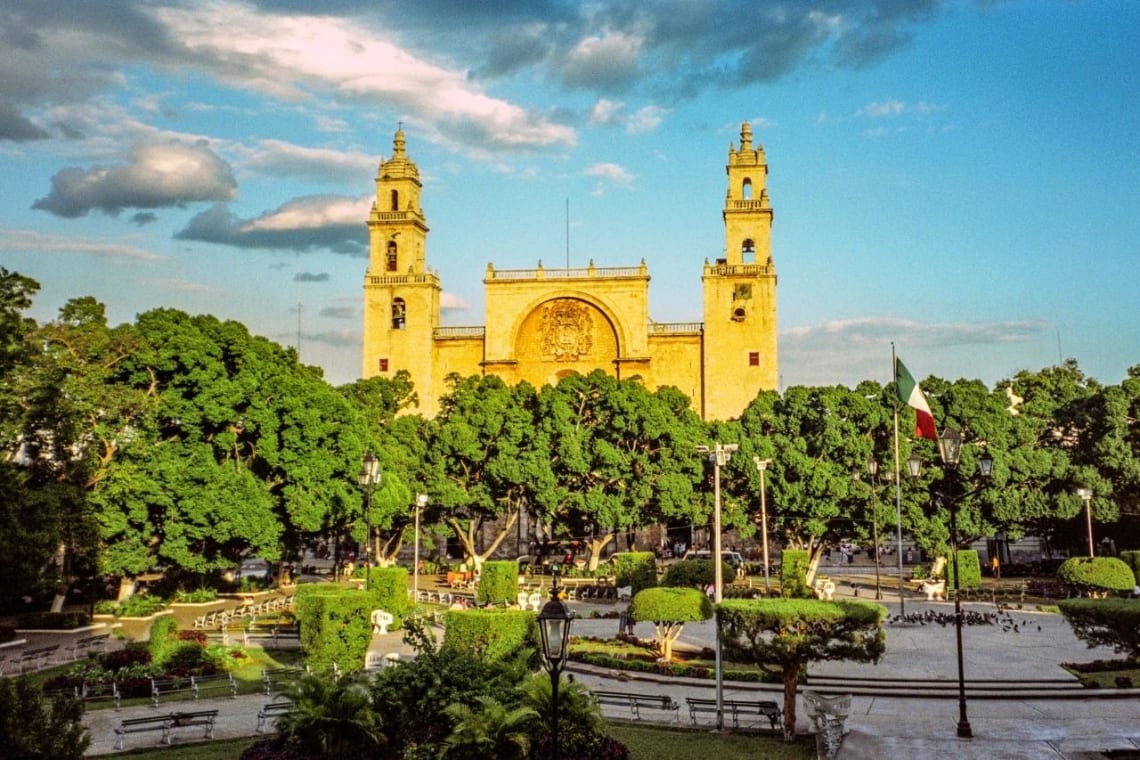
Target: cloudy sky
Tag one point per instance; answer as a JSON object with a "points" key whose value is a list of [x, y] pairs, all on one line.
{"points": [[959, 178]]}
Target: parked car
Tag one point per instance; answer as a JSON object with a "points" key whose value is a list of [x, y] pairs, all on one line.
{"points": [[734, 559], [254, 567]]}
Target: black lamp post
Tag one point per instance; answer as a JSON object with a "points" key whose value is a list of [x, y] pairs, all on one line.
{"points": [[554, 627], [369, 479], [950, 451]]}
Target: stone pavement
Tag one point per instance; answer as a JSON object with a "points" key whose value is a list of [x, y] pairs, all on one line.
{"points": [[1015, 727], [1029, 727]]}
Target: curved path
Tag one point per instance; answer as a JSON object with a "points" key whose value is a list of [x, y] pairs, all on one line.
{"points": [[1031, 716]]}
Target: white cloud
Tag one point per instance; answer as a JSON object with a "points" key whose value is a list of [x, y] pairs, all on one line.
{"points": [[883, 109], [452, 302], [156, 175], [612, 172], [287, 56], [316, 212], [28, 241]]}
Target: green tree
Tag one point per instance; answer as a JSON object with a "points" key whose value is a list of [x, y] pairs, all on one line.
{"points": [[35, 728], [816, 438], [782, 636], [622, 457], [669, 609], [484, 460]]}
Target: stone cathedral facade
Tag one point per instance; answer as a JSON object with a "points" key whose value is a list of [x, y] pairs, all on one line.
{"points": [[542, 324]]}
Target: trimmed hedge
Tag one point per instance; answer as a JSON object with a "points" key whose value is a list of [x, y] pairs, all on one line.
{"points": [[636, 569], [1097, 574], [1132, 559], [673, 605], [694, 573], [390, 591], [793, 574], [969, 570], [335, 625], [490, 635], [498, 582]]}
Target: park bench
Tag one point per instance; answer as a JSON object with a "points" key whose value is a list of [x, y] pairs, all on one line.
{"points": [[269, 713], [635, 702], [34, 659], [824, 588], [739, 709], [87, 645], [933, 590], [160, 687], [219, 682], [271, 632], [273, 678], [166, 724], [382, 620]]}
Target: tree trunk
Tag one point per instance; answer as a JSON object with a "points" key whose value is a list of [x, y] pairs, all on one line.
{"points": [[791, 680], [596, 544]]}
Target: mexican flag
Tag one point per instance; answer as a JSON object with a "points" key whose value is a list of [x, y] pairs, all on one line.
{"points": [[911, 395]]}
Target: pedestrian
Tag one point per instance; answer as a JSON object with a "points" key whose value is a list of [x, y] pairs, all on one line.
{"points": [[995, 566]]}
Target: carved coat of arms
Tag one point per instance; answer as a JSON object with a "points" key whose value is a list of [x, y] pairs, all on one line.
{"points": [[567, 330]]}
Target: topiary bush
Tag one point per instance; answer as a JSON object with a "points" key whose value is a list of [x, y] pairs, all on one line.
{"points": [[694, 573], [1097, 576], [490, 635], [636, 569], [335, 625], [669, 609], [969, 570], [390, 591], [1132, 559], [32, 726], [793, 574], [498, 582]]}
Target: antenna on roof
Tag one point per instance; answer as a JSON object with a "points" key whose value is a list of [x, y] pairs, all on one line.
{"points": [[567, 233]]}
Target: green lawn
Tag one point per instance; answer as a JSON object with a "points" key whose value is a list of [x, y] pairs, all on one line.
{"points": [[644, 742]]}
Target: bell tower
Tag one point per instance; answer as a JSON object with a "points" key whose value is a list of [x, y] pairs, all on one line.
{"points": [[738, 352], [401, 297]]}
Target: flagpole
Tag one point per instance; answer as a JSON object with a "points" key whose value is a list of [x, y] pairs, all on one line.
{"points": [[898, 480]]}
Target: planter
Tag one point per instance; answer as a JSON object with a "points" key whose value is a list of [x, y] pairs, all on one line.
{"points": [[135, 628], [186, 612]]}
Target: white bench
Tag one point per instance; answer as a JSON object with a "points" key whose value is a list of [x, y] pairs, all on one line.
{"points": [[381, 621], [934, 590]]}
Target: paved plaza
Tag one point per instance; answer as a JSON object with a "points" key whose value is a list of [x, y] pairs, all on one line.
{"points": [[1031, 726]]}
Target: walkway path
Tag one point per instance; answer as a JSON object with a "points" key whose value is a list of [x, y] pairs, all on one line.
{"points": [[1021, 727]]}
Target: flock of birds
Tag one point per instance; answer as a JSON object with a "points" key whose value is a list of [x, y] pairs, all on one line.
{"points": [[969, 617]]}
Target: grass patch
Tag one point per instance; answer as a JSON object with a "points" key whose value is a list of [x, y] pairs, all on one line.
{"points": [[653, 743], [1106, 674], [220, 749]]}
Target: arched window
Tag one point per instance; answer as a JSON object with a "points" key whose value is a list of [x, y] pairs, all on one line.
{"points": [[391, 264], [395, 200], [398, 313], [748, 251], [746, 189]]}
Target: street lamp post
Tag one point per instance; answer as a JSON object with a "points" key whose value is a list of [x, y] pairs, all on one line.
{"points": [[950, 450], [369, 479], [1086, 494], [762, 465], [873, 471], [421, 502], [554, 627], [719, 455]]}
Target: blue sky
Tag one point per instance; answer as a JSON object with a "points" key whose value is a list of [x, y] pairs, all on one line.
{"points": [[959, 178]]}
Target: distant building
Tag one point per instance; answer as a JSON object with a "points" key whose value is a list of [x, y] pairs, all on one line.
{"points": [[545, 323]]}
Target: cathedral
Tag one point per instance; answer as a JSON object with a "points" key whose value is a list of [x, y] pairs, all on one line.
{"points": [[544, 323]]}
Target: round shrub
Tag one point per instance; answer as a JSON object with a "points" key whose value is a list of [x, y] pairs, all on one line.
{"points": [[1096, 574], [694, 573]]}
